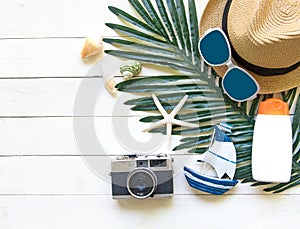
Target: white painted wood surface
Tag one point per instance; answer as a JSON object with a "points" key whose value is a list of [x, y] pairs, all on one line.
{"points": [[49, 57], [45, 180], [93, 211]]}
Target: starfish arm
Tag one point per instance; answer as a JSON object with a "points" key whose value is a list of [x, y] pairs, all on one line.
{"points": [[159, 106], [155, 125], [179, 106], [183, 123], [169, 134]]}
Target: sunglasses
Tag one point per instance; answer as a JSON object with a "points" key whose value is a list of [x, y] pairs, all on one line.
{"points": [[215, 50]]}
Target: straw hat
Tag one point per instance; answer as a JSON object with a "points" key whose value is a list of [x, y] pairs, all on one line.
{"points": [[264, 37]]}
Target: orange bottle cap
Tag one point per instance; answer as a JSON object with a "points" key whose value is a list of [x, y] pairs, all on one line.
{"points": [[273, 106]]}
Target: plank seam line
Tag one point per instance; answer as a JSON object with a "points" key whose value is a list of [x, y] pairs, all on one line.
{"points": [[54, 37], [70, 116], [174, 195], [80, 155]]}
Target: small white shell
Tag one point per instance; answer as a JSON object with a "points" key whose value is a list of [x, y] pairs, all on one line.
{"points": [[110, 86], [91, 47]]}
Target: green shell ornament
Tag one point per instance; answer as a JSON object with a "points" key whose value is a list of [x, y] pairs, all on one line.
{"points": [[130, 68]]}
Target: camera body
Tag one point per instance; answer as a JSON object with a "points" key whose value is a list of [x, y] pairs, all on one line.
{"points": [[142, 176]]}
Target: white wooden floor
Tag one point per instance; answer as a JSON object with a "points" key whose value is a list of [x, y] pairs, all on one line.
{"points": [[45, 182]]}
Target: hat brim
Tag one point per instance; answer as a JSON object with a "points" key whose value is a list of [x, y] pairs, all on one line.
{"points": [[212, 17]]}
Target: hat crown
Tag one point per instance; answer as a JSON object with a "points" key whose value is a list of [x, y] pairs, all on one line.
{"points": [[290, 7], [275, 20], [268, 32]]}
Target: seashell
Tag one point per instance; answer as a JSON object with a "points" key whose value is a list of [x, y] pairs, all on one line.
{"points": [[110, 86], [91, 47], [130, 68]]}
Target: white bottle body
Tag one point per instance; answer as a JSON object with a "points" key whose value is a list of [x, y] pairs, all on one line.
{"points": [[272, 148]]}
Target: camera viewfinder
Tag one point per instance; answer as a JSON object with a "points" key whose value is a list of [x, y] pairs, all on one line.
{"points": [[158, 163], [142, 163]]}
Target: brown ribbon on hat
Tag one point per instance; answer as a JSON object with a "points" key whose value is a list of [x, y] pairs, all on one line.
{"points": [[254, 68]]}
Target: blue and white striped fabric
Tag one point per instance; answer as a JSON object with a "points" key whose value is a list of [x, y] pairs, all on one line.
{"points": [[211, 185]]}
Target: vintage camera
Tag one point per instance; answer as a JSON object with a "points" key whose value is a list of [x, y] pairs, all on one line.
{"points": [[142, 176]]}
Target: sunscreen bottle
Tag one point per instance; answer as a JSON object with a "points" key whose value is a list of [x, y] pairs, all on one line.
{"points": [[272, 142]]}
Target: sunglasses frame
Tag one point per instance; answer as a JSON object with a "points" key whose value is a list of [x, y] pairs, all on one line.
{"points": [[229, 63]]}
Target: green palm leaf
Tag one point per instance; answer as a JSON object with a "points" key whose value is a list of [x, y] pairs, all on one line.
{"points": [[166, 21], [184, 25], [176, 22], [146, 15], [194, 32], [132, 20], [136, 33], [167, 34], [153, 15]]}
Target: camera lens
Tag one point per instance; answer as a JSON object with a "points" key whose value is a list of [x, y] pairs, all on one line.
{"points": [[141, 183]]}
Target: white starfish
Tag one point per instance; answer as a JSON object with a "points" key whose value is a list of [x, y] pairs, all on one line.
{"points": [[168, 119]]}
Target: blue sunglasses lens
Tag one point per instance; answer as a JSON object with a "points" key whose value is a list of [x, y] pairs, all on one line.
{"points": [[214, 48], [239, 85]]}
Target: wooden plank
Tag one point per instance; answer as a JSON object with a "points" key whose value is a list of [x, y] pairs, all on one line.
{"points": [[61, 136], [61, 19], [57, 19], [44, 58], [91, 212], [45, 175], [56, 97]]}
